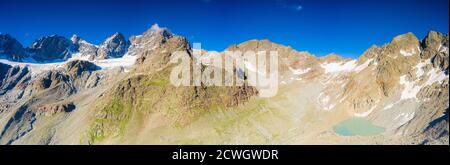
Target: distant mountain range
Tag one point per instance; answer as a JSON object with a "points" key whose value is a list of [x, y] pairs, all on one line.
{"points": [[54, 47], [69, 91]]}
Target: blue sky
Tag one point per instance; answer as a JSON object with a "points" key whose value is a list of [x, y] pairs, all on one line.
{"points": [[346, 27]]}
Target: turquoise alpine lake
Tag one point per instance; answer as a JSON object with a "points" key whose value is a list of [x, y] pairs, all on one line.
{"points": [[357, 127]]}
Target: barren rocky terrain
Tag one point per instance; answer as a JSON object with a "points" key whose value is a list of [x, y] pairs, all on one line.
{"points": [[68, 91]]}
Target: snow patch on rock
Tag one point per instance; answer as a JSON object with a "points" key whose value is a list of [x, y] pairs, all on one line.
{"points": [[349, 66], [410, 52], [35, 67], [363, 66], [364, 114], [435, 75], [336, 67], [410, 89], [442, 48], [40, 67], [419, 67], [389, 106], [124, 61], [403, 118], [299, 71]]}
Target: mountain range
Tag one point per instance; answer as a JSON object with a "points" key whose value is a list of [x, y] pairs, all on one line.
{"points": [[69, 91]]}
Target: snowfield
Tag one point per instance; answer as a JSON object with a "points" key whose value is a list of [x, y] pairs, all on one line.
{"points": [[35, 67], [411, 52], [299, 71], [38, 67], [336, 67], [350, 66], [410, 89]]}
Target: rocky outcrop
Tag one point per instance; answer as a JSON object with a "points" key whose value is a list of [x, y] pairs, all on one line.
{"points": [[11, 48], [75, 75], [12, 76], [52, 109], [53, 79], [77, 67], [372, 53], [82, 74], [435, 46], [50, 48], [84, 48], [114, 46], [153, 59], [4, 68], [396, 59], [149, 40]]}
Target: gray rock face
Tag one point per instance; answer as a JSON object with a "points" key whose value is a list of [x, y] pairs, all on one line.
{"points": [[52, 109], [82, 74], [114, 47], [11, 48], [149, 40], [435, 45], [84, 48], [435, 41], [11, 76], [3, 70], [372, 52], [153, 59], [50, 48], [50, 79], [77, 67]]}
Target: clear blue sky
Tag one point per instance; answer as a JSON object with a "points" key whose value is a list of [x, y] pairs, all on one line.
{"points": [[346, 27]]}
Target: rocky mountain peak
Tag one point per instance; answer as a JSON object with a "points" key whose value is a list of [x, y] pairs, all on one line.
{"points": [[406, 45], [332, 57], [11, 48], [84, 48], [403, 48], [155, 29], [113, 47], [158, 57], [370, 53], [149, 40], [258, 44], [75, 39], [266, 45], [436, 41], [50, 48], [435, 46], [115, 36], [408, 38]]}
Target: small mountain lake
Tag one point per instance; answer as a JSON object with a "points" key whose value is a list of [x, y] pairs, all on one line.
{"points": [[357, 127]]}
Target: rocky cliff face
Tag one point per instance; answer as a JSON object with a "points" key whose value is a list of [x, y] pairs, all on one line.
{"points": [[11, 76], [11, 48], [401, 87], [50, 48], [84, 48], [151, 39], [115, 46]]}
